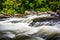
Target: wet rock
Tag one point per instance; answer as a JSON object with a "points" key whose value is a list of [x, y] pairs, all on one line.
{"points": [[50, 12], [19, 15], [32, 12], [53, 13], [3, 16], [58, 12], [27, 12]]}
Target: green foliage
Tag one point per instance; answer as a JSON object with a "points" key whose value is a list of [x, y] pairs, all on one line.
{"points": [[19, 6], [43, 9]]}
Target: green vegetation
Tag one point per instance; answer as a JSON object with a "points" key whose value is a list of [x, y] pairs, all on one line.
{"points": [[19, 6]]}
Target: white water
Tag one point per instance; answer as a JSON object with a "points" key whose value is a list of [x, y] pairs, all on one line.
{"points": [[21, 26]]}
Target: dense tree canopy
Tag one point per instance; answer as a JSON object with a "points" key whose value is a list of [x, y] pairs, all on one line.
{"points": [[19, 6]]}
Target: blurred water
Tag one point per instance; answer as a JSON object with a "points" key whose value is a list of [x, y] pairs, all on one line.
{"points": [[43, 27]]}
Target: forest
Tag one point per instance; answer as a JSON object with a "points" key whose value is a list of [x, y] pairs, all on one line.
{"points": [[20, 6]]}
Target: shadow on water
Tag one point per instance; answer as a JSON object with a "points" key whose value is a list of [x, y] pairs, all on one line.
{"points": [[51, 37], [45, 21]]}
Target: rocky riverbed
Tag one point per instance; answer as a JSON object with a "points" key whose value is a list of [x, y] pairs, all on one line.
{"points": [[57, 13]]}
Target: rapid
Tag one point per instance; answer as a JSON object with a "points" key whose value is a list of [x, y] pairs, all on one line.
{"points": [[31, 27]]}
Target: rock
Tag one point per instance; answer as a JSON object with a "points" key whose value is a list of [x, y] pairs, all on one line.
{"points": [[32, 12], [27, 12], [3, 16], [50, 12], [53, 13], [58, 12], [19, 15]]}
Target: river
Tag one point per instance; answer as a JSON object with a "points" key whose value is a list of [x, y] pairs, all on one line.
{"points": [[31, 27]]}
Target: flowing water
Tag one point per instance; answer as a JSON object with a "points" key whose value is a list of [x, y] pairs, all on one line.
{"points": [[32, 27]]}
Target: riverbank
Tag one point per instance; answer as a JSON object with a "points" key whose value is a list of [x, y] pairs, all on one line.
{"points": [[30, 13]]}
